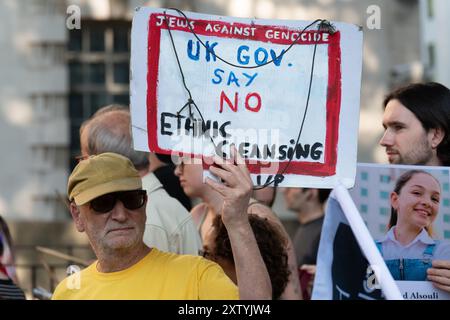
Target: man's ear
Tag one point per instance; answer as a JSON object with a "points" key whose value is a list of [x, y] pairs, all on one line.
{"points": [[311, 194], [315, 194], [76, 215], [436, 135]]}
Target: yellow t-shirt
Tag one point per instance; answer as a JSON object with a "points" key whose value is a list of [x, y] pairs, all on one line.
{"points": [[159, 275]]}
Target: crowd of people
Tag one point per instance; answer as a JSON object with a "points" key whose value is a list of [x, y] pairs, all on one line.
{"points": [[151, 243]]}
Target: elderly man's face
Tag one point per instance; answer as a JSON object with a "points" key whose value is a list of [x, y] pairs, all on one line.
{"points": [[117, 229]]}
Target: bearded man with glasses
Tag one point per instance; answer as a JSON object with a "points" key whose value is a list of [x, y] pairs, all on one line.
{"points": [[108, 203]]}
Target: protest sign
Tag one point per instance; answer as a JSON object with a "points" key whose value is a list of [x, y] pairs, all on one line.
{"points": [[288, 98]]}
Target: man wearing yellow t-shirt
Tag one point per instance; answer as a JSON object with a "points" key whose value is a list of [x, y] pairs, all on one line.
{"points": [[108, 203]]}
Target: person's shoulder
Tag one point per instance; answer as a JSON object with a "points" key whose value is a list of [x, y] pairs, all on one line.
{"points": [[263, 211], [199, 208], [198, 211], [151, 183], [442, 249], [72, 283], [159, 199], [64, 289], [316, 224], [259, 208], [206, 276], [184, 262], [162, 200], [61, 290]]}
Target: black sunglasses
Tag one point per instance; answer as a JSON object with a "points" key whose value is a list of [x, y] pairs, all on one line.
{"points": [[131, 200]]}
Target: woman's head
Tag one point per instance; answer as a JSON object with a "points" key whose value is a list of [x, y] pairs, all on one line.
{"points": [[190, 173], [415, 200], [271, 244]]}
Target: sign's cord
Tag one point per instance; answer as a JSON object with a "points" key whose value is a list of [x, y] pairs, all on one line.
{"points": [[323, 25]]}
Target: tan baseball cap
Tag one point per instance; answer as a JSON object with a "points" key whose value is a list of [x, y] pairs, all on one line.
{"points": [[101, 174]]}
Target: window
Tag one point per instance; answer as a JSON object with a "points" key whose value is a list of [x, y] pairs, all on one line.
{"points": [[121, 99], [97, 39], [384, 211], [97, 100], [364, 192], [45, 54], [385, 179], [447, 218], [384, 195], [121, 72], [96, 73], [363, 208], [76, 105], [75, 40], [446, 234], [76, 73], [98, 58], [121, 39], [53, 156], [364, 176]]}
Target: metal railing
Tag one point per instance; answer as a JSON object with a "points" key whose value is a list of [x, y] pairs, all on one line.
{"points": [[41, 274]]}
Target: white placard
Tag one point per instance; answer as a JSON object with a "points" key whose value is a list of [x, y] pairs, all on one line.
{"points": [[421, 290], [260, 110]]}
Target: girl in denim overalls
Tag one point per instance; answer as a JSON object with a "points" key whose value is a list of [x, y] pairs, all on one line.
{"points": [[408, 248]]}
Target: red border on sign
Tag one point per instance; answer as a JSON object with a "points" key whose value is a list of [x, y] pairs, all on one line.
{"points": [[328, 168]]}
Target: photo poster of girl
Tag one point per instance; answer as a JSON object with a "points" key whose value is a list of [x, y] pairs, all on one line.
{"points": [[406, 210]]}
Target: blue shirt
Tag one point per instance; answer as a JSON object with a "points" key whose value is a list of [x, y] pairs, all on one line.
{"points": [[392, 249]]}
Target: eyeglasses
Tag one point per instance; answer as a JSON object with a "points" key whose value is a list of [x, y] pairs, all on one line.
{"points": [[181, 162], [131, 200]]}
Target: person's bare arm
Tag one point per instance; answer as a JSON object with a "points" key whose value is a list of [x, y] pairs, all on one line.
{"points": [[251, 272], [292, 290], [310, 270]]}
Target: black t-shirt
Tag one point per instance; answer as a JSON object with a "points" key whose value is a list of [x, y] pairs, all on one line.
{"points": [[171, 184], [306, 241]]}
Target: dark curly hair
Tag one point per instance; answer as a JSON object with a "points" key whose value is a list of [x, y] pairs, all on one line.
{"points": [[271, 244]]}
